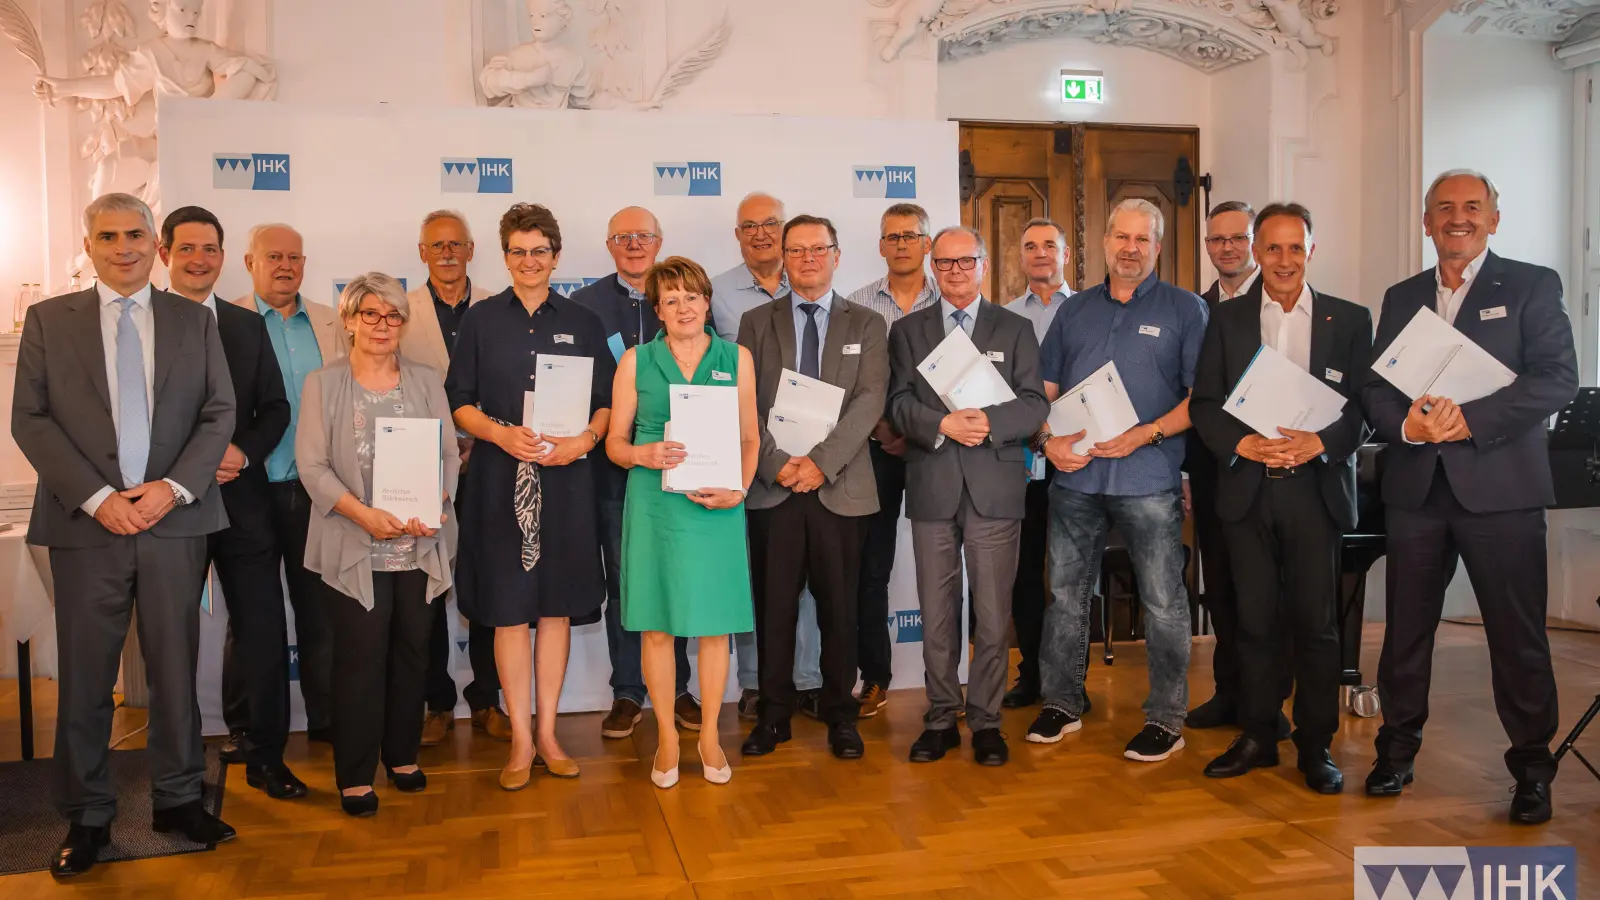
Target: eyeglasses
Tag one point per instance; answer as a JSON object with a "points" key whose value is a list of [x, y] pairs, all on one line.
{"points": [[437, 248], [518, 254], [642, 238], [904, 237], [294, 259], [372, 317], [770, 226], [1226, 240], [814, 252], [964, 263]]}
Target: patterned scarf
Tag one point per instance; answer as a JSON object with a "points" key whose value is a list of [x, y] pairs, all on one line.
{"points": [[528, 502]]}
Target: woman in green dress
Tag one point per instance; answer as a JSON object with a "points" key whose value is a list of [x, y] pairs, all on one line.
{"points": [[685, 563]]}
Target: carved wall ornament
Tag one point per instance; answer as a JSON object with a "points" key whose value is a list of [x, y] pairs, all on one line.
{"points": [[1545, 20]]}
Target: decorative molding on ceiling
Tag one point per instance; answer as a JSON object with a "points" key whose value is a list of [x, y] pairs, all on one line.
{"points": [[1543, 20], [1206, 34]]}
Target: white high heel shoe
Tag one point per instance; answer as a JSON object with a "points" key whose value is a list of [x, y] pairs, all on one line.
{"points": [[717, 775], [661, 779]]}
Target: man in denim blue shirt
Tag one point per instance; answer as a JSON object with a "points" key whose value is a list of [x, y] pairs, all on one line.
{"points": [[1152, 331]]}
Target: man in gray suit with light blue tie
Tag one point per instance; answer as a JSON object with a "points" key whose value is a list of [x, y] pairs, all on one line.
{"points": [[124, 406], [965, 493]]}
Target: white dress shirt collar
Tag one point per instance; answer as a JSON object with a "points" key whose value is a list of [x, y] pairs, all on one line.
{"points": [[1289, 331], [109, 296], [1244, 286], [1449, 301]]}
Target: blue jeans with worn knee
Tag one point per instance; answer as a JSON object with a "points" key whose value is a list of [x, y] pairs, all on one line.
{"points": [[1152, 526]]}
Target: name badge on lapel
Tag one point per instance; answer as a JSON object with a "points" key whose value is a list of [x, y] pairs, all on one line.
{"points": [[852, 349], [564, 339], [720, 376], [1334, 375], [995, 355], [1150, 330], [1494, 312]]}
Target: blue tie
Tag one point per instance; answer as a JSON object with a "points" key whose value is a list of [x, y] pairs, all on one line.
{"points": [[811, 344], [133, 409], [960, 317]]}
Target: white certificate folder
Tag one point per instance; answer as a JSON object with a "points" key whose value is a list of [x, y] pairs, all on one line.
{"points": [[1275, 393], [558, 405], [803, 413], [408, 470], [963, 377], [1430, 357], [1099, 406], [705, 420]]}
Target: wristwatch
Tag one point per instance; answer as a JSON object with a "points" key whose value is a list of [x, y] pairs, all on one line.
{"points": [[1041, 438], [1159, 436]]}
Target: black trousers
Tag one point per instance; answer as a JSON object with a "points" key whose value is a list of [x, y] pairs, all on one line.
{"points": [[1221, 599], [795, 543], [379, 665], [255, 660], [484, 691], [1505, 557], [1285, 555], [290, 509], [1029, 594], [874, 653]]}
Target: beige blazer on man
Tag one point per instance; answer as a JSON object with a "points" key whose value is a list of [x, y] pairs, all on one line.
{"points": [[423, 339], [331, 340]]}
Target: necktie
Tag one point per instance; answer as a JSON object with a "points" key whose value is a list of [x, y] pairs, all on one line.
{"points": [[133, 408], [811, 346], [960, 317]]}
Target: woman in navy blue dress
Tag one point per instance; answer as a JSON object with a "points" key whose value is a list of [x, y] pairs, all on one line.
{"points": [[530, 541]]}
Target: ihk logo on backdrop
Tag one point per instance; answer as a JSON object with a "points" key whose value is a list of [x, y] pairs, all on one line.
{"points": [[886, 182], [688, 179], [907, 626], [475, 175], [566, 287], [250, 171], [1466, 873]]}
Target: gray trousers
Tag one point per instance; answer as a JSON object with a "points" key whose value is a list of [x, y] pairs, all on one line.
{"points": [[97, 590], [990, 548]]}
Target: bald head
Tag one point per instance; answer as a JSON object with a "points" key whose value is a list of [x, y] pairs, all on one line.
{"points": [[277, 264], [633, 238], [759, 228]]}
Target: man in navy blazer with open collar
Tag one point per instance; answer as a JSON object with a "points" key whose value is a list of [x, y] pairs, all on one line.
{"points": [[1472, 481]]}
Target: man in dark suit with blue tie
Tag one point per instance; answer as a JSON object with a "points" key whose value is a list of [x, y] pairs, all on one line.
{"points": [[1472, 480]]}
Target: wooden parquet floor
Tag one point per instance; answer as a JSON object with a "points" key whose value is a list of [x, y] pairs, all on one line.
{"points": [[1068, 820]]}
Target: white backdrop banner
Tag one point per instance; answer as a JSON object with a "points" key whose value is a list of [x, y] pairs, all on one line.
{"points": [[356, 182]]}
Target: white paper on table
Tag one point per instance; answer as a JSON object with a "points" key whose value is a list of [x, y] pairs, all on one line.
{"points": [[804, 412], [963, 377], [1275, 393], [1429, 356], [705, 420], [408, 469], [1098, 406]]}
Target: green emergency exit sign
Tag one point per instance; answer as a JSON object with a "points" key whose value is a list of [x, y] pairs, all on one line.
{"points": [[1082, 86]]}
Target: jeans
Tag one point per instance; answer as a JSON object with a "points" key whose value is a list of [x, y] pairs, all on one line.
{"points": [[1152, 526], [807, 652]]}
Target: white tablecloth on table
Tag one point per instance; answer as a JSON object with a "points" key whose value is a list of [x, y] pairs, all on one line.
{"points": [[27, 610]]}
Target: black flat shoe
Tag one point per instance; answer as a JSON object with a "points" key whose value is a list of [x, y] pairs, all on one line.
{"points": [[845, 741], [361, 805], [1389, 778], [934, 743], [232, 752], [193, 822], [407, 782], [277, 781], [1024, 694], [764, 739], [1530, 803], [989, 747], [1322, 774], [1244, 755], [1214, 713], [80, 850]]}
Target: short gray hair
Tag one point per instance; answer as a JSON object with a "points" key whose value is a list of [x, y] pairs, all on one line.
{"points": [[983, 249], [263, 228], [123, 203], [440, 215], [1158, 223], [760, 195], [907, 210], [1494, 192], [373, 284]]}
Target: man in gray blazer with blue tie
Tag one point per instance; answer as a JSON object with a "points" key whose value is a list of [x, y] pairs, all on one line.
{"points": [[124, 407], [966, 491]]}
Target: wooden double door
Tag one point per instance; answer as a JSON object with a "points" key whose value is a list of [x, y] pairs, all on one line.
{"points": [[1075, 174]]}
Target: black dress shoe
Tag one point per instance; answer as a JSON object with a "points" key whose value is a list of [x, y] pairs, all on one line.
{"points": [[1388, 778], [1023, 694], [1214, 713], [811, 703], [1243, 755], [361, 805], [193, 822], [764, 739], [1530, 803], [80, 850], [1322, 775], [1283, 726], [845, 741], [232, 752], [934, 743], [277, 781], [407, 782], [989, 747]]}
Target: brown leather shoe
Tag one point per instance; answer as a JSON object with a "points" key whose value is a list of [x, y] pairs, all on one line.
{"points": [[493, 722], [624, 715], [872, 698], [686, 709], [435, 725], [749, 703], [558, 768]]}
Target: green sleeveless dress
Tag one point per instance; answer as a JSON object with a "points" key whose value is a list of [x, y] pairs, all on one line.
{"points": [[685, 568]]}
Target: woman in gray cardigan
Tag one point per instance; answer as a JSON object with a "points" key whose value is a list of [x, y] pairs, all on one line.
{"points": [[382, 574]]}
